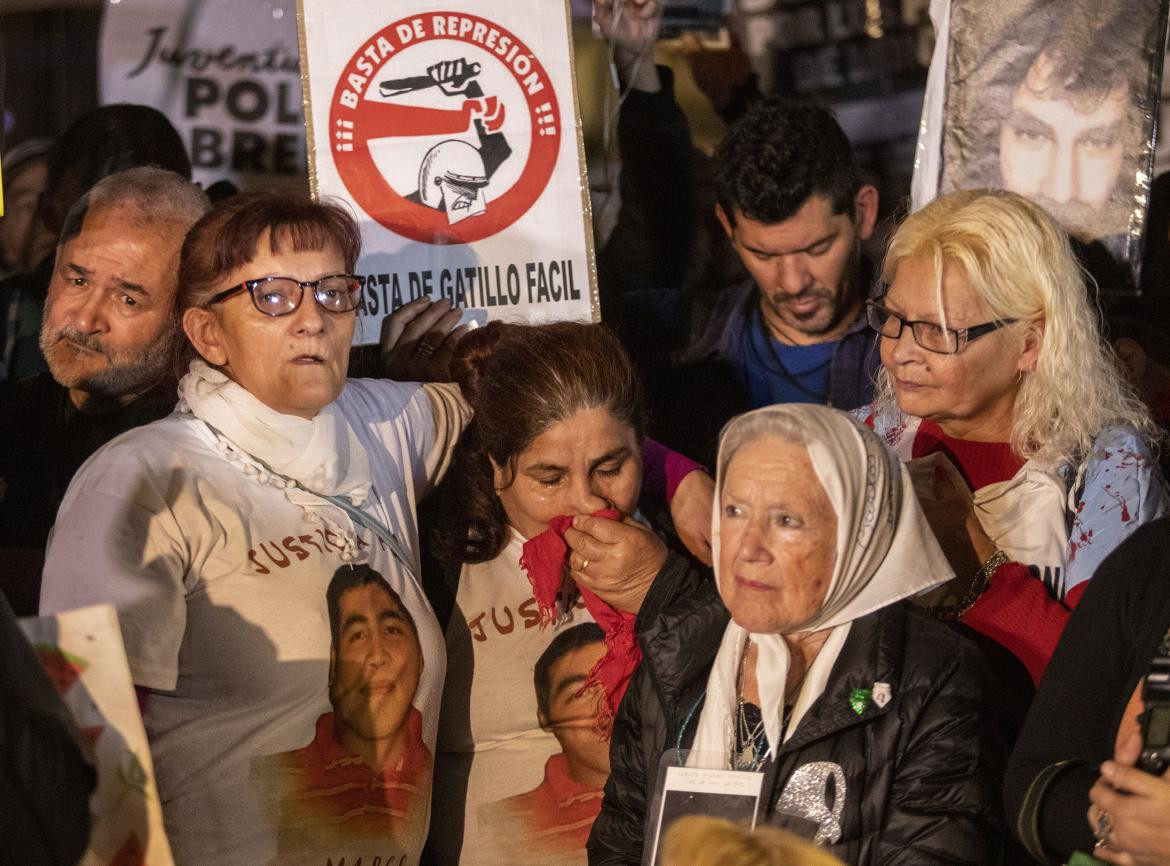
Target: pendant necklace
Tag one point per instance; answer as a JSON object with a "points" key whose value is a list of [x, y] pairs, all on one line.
{"points": [[751, 740]]}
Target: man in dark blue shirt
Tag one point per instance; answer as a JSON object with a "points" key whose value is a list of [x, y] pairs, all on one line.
{"points": [[793, 205]]}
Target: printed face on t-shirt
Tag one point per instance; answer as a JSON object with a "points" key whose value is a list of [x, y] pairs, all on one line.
{"points": [[573, 717], [376, 667], [579, 465]]}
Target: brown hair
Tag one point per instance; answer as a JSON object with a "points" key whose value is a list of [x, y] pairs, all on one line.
{"points": [[520, 380], [227, 236]]}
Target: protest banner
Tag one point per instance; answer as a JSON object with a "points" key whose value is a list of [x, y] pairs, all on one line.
{"points": [[226, 74], [451, 129], [83, 653], [1054, 101]]}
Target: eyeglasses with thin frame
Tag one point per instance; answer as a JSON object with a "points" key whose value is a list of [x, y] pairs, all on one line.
{"points": [[929, 335], [279, 296]]}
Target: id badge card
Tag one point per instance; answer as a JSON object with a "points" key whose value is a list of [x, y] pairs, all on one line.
{"points": [[697, 790]]}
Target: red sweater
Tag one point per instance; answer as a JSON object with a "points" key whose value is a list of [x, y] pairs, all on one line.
{"points": [[1016, 610]]}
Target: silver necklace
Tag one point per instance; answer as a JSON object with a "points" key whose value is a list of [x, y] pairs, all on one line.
{"points": [[751, 742]]}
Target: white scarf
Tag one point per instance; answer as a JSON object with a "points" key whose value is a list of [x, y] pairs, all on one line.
{"points": [[1025, 516], [323, 455], [886, 551]]}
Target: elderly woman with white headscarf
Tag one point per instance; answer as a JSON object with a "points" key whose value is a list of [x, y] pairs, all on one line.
{"points": [[871, 724]]}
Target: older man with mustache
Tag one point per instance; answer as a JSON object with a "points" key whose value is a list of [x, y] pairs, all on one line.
{"points": [[108, 334]]}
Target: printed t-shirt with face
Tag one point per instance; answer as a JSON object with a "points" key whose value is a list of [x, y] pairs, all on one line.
{"points": [[519, 781], [266, 751]]}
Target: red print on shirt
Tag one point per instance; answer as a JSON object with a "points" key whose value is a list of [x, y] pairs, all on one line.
{"points": [[281, 553]]}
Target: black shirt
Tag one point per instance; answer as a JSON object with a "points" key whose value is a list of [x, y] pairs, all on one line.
{"points": [[45, 440], [1104, 652]]}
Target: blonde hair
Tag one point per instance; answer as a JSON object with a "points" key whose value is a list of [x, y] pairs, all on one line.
{"points": [[1020, 263], [700, 840]]}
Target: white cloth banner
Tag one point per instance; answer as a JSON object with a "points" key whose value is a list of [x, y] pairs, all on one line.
{"points": [[451, 128], [226, 73], [82, 652]]}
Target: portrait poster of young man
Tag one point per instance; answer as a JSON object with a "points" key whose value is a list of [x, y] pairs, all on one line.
{"points": [[1056, 101]]}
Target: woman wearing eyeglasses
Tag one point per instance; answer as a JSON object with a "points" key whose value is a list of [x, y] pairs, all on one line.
{"points": [[1031, 455], [260, 546]]}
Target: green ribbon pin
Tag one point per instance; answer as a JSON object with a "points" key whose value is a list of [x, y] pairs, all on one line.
{"points": [[860, 699]]}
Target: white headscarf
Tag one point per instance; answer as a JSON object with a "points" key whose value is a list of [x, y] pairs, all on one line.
{"points": [[886, 551], [322, 455]]}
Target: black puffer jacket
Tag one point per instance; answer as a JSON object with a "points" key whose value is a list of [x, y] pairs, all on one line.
{"points": [[922, 774]]}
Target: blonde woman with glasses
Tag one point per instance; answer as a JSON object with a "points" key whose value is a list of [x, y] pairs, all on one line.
{"points": [[1032, 457]]}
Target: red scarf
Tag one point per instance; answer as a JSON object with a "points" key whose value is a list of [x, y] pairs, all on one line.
{"points": [[544, 560]]}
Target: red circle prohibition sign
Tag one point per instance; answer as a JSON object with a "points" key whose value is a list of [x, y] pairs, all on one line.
{"points": [[355, 120]]}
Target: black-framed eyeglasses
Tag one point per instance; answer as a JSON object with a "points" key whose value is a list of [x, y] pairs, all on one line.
{"points": [[279, 296], [929, 335]]}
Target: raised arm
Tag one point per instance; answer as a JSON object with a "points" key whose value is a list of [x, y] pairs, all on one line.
{"points": [[684, 485], [656, 220]]}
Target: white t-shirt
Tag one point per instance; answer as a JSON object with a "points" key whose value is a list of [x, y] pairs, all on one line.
{"points": [[220, 584], [491, 745]]}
